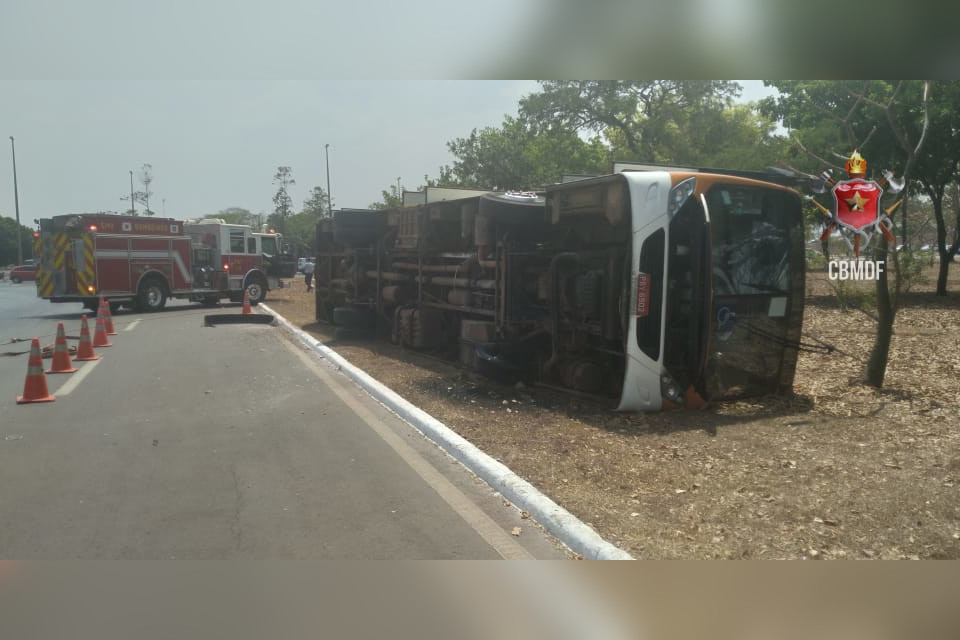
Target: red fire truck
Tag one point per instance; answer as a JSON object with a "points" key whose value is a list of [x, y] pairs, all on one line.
{"points": [[141, 262]]}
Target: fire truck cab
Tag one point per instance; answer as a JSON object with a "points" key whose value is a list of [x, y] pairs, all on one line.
{"points": [[141, 262]]}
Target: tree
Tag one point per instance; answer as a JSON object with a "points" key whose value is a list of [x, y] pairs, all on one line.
{"points": [[939, 167], [8, 241], [146, 179], [645, 120], [301, 228], [391, 198], [521, 154], [238, 215], [317, 203], [891, 120], [282, 202]]}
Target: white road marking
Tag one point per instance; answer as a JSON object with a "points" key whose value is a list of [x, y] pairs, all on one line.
{"points": [[77, 378], [130, 326], [483, 524]]}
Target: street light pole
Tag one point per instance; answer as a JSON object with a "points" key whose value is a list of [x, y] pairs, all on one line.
{"points": [[133, 204], [326, 151], [16, 202]]}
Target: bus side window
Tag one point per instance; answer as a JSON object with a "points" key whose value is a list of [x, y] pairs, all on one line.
{"points": [[652, 255]]}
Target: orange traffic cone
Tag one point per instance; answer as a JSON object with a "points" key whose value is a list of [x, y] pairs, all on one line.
{"points": [[61, 354], [100, 334], [35, 386], [85, 347], [107, 317], [246, 303]]}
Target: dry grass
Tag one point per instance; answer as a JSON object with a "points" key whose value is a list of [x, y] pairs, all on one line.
{"points": [[839, 470]]}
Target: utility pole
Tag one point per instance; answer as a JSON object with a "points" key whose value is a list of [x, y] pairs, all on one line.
{"points": [[399, 197], [133, 203], [326, 151], [16, 203]]}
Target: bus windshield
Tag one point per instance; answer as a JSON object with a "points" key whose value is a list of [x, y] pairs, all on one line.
{"points": [[750, 228], [757, 275]]}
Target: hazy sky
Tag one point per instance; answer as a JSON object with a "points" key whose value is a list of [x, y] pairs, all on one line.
{"points": [[217, 144], [215, 95]]}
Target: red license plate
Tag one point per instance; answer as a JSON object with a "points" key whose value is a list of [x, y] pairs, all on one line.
{"points": [[643, 295]]}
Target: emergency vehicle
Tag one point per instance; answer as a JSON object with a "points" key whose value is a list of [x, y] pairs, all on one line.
{"points": [[141, 262]]}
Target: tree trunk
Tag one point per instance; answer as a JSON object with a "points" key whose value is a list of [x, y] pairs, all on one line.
{"points": [[945, 260], [877, 365], [903, 232], [942, 248]]}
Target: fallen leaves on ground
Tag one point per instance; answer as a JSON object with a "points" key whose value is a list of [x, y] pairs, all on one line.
{"points": [[839, 470]]}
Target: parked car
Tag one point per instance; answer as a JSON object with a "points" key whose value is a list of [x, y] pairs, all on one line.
{"points": [[23, 272]]}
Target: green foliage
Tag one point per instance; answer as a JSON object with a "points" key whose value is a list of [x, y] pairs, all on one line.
{"points": [[282, 203], [521, 154], [853, 294], [816, 261], [910, 265], [301, 232], [390, 199], [317, 203], [828, 119], [690, 122], [887, 121], [8, 241], [938, 168]]}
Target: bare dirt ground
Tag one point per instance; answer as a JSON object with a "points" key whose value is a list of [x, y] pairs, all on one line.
{"points": [[839, 470]]}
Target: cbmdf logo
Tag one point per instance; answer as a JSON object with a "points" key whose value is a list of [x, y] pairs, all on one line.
{"points": [[857, 216]]}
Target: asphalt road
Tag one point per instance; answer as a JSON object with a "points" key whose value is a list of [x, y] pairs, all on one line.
{"points": [[187, 441]]}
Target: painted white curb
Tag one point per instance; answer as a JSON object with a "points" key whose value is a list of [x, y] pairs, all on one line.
{"points": [[558, 521]]}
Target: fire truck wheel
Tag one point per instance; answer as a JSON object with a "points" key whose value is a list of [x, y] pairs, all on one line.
{"points": [[256, 290], [152, 296]]}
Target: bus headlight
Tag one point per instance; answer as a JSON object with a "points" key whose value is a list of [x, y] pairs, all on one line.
{"points": [[679, 194], [670, 390]]}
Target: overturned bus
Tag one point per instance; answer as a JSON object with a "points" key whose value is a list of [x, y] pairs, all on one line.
{"points": [[655, 288]]}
